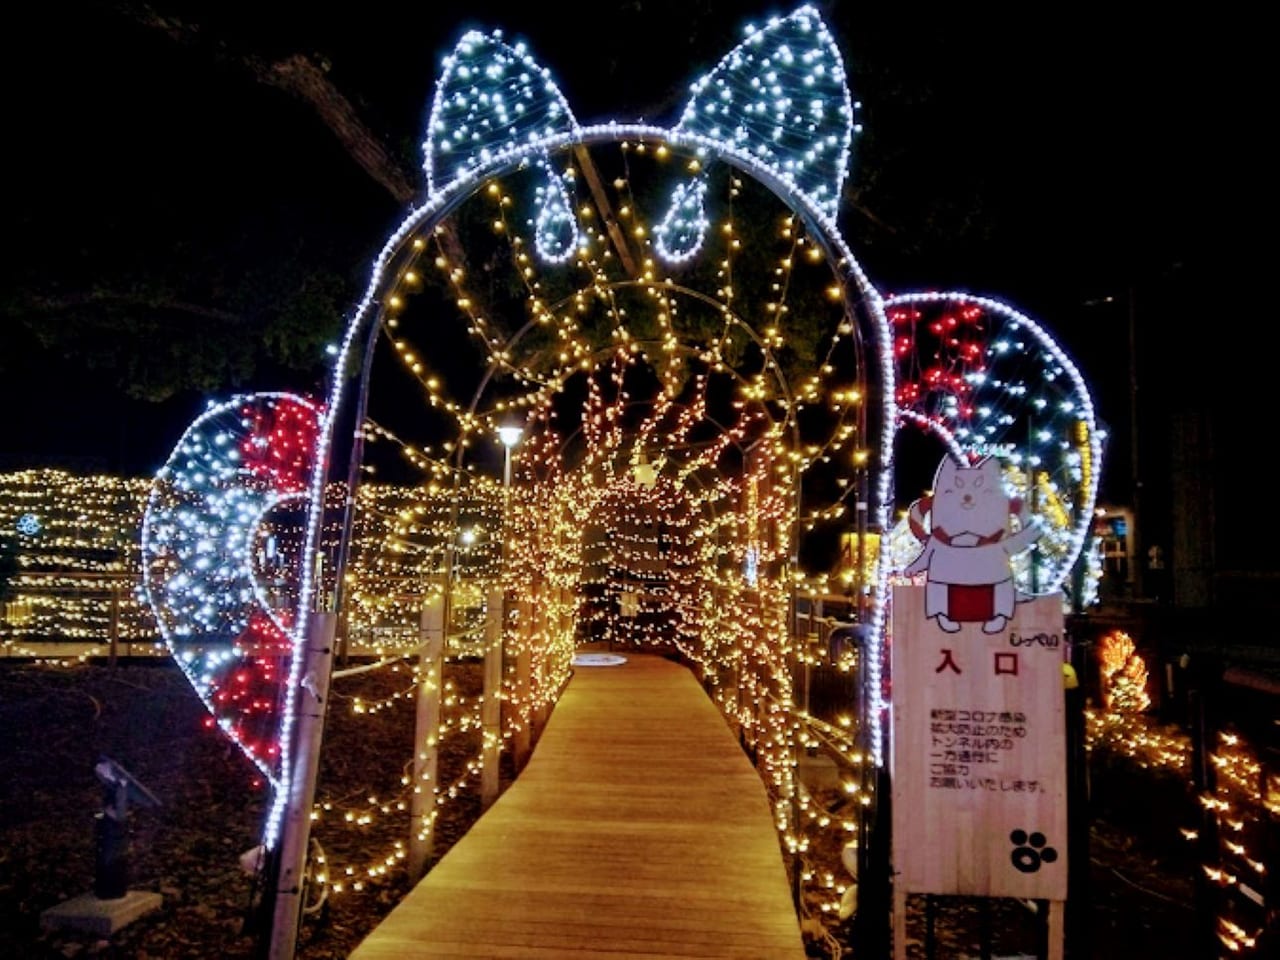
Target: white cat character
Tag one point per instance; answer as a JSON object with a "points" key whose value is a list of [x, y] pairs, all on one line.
{"points": [[968, 547]]}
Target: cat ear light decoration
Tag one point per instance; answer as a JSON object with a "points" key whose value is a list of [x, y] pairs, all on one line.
{"points": [[983, 378]]}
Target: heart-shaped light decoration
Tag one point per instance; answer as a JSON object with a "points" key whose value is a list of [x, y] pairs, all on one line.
{"points": [[224, 586], [990, 382]]}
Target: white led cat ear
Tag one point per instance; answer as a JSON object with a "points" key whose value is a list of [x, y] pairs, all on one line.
{"points": [[492, 102], [780, 98]]}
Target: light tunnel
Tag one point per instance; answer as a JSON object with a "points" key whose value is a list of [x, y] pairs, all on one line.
{"points": [[686, 423], [708, 391]]}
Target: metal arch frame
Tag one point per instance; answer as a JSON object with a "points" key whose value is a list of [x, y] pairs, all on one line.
{"points": [[425, 218], [297, 763]]}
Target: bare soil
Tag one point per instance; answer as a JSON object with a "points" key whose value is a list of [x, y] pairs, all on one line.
{"points": [[56, 722]]}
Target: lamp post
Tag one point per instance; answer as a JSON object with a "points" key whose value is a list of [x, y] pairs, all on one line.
{"points": [[1137, 559], [510, 436], [491, 707]]}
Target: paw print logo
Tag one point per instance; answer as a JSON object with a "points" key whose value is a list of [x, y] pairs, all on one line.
{"points": [[1029, 852]]}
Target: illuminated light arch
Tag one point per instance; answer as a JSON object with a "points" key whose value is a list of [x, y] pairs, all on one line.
{"points": [[776, 109], [422, 221], [804, 188], [811, 195]]}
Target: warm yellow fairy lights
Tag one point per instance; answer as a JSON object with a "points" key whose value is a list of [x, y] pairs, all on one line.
{"points": [[1237, 804], [574, 575], [1124, 672]]}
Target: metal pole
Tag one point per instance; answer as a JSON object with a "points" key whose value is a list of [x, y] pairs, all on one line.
{"points": [[422, 808], [353, 480], [1078, 906], [295, 832], [114, 627]]}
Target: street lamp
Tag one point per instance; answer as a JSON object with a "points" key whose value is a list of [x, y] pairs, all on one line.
{"points": [[510, 436]]}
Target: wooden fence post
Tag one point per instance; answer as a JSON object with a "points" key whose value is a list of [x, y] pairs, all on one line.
{"points": [[1078, 813], [523, 739], [426, 750], [491, 706]]}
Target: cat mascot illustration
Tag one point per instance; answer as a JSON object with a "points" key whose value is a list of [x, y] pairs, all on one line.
{"points": [[968, 546]]}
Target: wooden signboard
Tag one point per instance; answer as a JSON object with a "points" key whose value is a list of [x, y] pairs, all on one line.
{"points": [[979, 757]]}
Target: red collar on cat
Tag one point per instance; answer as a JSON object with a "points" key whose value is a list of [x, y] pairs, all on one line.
{"points": [[939, 534]]}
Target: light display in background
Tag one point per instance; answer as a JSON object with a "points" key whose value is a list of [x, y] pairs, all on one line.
{"points": [[1237, 808], [1124, 673], [75, 577], [203, 543]]}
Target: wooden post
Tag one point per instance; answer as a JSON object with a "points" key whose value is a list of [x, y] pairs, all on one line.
{"points": [[491, 707], [422, 810], [1057, 928], [1077, 928], [899, 922], [523, 737], [114, 626], [295, 829], [342, 643], [543, 625]]}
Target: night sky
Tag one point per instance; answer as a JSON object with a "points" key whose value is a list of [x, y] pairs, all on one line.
{"points": [[1048, 157]]}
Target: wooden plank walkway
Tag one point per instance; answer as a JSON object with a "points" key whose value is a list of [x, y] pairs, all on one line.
{"points": [[638, 830]]}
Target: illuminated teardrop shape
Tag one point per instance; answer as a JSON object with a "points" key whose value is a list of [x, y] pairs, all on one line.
{"points": [[555, 231], [682, 231]]}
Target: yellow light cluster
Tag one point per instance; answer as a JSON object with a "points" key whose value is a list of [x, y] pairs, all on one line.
{"points": [[77, 552], [1238, 801]]}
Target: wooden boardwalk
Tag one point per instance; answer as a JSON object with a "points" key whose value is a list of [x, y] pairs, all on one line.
{"points": [[638, 830]]}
